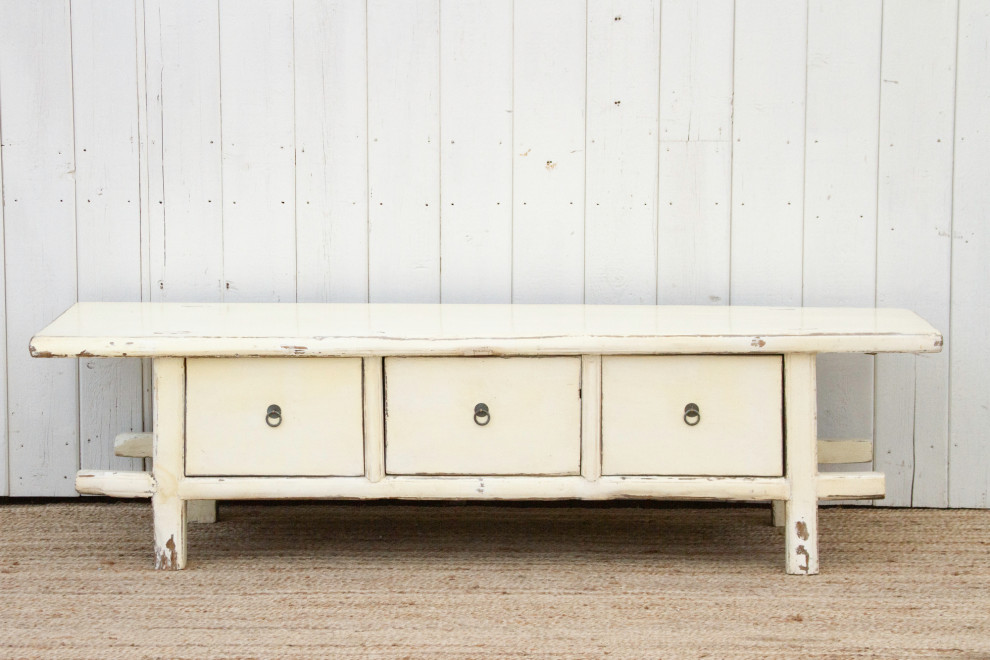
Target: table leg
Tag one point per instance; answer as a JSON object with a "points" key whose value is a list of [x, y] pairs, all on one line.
{"points": [[168, 397], [801, 450]]}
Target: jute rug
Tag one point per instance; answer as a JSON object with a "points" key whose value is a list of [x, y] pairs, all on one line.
{"points": [[392, 580]]}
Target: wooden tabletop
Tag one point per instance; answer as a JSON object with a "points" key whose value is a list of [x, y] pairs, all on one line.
{"points": [[308, 329]]}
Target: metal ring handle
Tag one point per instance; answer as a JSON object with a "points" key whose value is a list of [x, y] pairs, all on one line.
{"points": [[274, 415], [692, 414], [481, 415]]}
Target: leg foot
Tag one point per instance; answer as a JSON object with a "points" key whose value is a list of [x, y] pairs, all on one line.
{"points": [[801, 531], [777, 512], [170, 532], [201, 511]]}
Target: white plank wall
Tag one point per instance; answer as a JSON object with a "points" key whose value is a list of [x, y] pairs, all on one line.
{"points": [[793, 152], [108, 214], [913, 242], [476, 151], [696, 86], [39, 241], [620, 221], [404, 151], [969, 469], [548, 171], [768, 151], [331, 132], [257, 123], [840, 203]]}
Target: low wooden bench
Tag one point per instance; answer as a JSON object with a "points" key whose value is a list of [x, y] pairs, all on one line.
{"points": [[259, 401]]}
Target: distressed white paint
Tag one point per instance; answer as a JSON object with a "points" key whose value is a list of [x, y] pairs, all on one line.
{"points": [[39, 241], [969, 466], [800, 451], [272, 330], [130, 483], [548, 171], [646, 428], [168, 394], [4, 486], [768, 151], [913, 241], [476, 151], [621, 145], [331, 135], [403, 151], [532, 424], [176, 53], [695, 155], [318, 431]]}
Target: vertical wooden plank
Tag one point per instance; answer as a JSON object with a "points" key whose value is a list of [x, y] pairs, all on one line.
{"points": [[841, 196], [108, 218], [404, 151], [4, 472], [969, 327], [331, 151], [183, 96], [144, 185], [801, 453], [696, 51], [169, 392], [258, 126], [40, 241], [591, 417], [913, 244], [768, 152], [548, 172], [476, 151], [620, 220]]}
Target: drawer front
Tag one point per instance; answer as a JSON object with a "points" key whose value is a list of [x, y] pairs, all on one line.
{"points": [[319, 430], [533, 424], [647, 428]]}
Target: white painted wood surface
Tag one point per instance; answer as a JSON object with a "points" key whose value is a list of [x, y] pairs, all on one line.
{"points": [[4, 472], [169, 394], [178, 102], [800, 451], [969, 468], [840, 203], [272, 330], [693, 213], [620, 219], [532, 425], [108, 214], [318, 432], [913, 241], [548, 170], [645, 423], [331, 136], [39, 241], [403, 151], [768, 151], [476, 151]]}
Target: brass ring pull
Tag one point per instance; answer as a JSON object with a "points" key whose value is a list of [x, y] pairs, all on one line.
{"points": [[274, 416], [481, 415], [692, 414]]}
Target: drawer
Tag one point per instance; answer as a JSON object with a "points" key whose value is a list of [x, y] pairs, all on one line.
{"points": [[320, 431], [738, 430], [533, 425]]}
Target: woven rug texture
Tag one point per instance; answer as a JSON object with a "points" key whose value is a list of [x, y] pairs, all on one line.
{"points": [[395, 580]]}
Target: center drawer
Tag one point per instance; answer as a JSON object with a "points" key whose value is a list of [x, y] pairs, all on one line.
{"points": [[315, 429], [498, 416]]}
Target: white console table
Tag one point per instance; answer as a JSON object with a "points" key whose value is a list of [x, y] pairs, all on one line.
{"points": [[488, 402]]}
